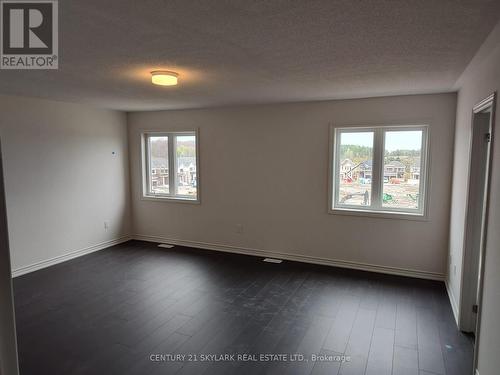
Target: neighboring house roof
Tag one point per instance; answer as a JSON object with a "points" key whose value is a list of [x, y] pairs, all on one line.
{"points": [[183, 162], [346, 161], [396, 164], [157, 162], [186, 162], [366, 164]]}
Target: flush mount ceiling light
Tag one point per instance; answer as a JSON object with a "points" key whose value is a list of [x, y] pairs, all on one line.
{"points": [[164, 78]]}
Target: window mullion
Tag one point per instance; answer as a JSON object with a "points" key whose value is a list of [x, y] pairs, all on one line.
{"points": [[148, 164], [171, 166], [377, 169], [423, 170], [336, 166]]}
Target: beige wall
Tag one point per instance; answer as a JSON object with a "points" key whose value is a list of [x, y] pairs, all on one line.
{"points": [[265, 167], [61, 179], [480, 79]]}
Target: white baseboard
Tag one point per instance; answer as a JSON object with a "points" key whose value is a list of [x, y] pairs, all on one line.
{"points": [[246, 251], [71, 255], [453, 301], [296, 257]]}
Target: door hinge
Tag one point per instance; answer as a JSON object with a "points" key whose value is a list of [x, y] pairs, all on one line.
{"points": [[474, 309], [487, 136]]}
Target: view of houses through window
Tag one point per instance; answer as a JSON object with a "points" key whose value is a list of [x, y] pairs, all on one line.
{"points": [[158, 163], [400, 188], [402, 151], [168, 152], [185, 162], [356, 155]]}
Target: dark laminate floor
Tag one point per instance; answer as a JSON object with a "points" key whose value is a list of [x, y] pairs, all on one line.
{"points": [[106, 312]]}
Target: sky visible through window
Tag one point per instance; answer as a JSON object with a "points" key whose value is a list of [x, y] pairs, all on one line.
{"points": [[398, 140]]}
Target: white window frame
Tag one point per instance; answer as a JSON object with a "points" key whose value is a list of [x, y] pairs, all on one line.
{"points": [[376, 208], [172, 196]]}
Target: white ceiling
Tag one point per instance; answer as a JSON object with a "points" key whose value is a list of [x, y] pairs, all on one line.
{"points": [[256, 51]]}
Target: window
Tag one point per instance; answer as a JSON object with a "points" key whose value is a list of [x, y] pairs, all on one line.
{"points": [[355, 155], [171, 165], [379, 170]]}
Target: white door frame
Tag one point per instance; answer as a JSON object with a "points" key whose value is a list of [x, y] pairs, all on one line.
{"points": [[472, 257], [468, 299]]}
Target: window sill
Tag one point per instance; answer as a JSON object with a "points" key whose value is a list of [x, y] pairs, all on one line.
{"points": [[170, 199], [379, 214]]}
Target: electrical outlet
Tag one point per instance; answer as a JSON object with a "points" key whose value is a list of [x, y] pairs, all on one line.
{"points": [[106, 225], [239, 228]]}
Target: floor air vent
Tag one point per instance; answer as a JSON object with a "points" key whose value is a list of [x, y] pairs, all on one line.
{"points": [[166, 245], [272, 260]]}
